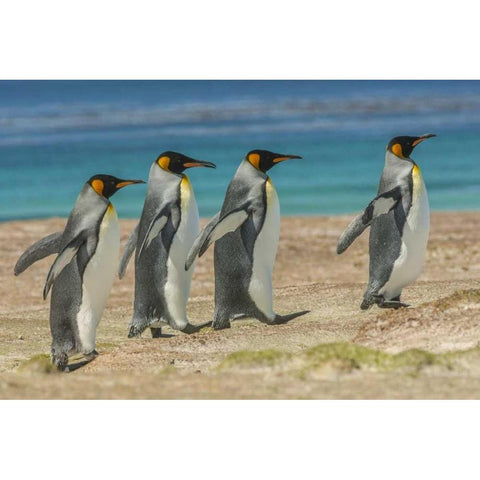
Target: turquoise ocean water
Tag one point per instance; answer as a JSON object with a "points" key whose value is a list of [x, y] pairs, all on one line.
{"points": [[55, 134]]}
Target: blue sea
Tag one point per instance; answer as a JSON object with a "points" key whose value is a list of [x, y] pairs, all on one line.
{"points": [[54, 135]]}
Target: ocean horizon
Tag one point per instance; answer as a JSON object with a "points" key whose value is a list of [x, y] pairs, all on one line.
{"points": [[54, 135]]}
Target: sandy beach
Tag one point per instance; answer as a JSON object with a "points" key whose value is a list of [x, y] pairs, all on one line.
{"points": [[335, 351]]}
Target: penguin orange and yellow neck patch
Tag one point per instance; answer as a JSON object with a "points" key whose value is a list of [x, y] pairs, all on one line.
{"points": [[417, 180], [416, 173], [269, 187], [110, 216], [185, 191]]}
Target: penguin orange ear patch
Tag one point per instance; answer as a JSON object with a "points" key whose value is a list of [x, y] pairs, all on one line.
{"points": [[254, 159], [97, 185], [397, 150], [164, 162]]}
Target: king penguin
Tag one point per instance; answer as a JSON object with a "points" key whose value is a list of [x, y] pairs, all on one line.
{"points": [[166, 231], [399, 220], [246, 232], [83, 272]]}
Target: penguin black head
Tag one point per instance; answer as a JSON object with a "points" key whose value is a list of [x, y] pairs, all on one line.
{"points": [[264, 160], [106, 185], [176, 162], [402, 147]]}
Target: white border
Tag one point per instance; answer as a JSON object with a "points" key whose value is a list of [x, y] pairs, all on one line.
{"points": [[240, 439], [251, 39], [225, 40]]}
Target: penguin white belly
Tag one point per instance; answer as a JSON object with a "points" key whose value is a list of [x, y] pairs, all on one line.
{"points": [[264, 252], [177, 285], [98, 279], [408, 265]]}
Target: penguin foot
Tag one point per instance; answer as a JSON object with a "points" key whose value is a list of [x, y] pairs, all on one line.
{"points": [[281, 319], [394, 303], [80, 360], [189, 329], [75, 366], [91, 356], [156, 332], [221, 324]]}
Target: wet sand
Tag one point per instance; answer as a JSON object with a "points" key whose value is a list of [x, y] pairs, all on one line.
{"points": [[335, 351]]}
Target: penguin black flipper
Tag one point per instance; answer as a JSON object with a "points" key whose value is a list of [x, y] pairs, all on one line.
{"points": [[216, 229], [227, 223], [128, 251], [155, 227], [200, 240], [63, 259], [41, 249], [380, 205]]}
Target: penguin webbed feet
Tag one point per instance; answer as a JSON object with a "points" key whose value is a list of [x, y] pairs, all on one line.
{"points": [[156, 332], [394, 303], [91, 356], [136, 330], [221, 324], [189, 329], [87, 358], [60, 361]]}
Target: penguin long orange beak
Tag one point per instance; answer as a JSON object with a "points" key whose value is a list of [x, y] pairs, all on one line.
{"points": [[125, 183], [282, 158], [198, 163], [422, 138]]}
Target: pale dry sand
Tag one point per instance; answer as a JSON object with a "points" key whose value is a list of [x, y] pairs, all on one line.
{"points": [[445, 317]]}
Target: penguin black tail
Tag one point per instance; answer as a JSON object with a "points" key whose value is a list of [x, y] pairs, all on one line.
{"points": [[280, 319]]}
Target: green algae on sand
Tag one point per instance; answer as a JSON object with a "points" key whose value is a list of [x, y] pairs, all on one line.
{"points": [[349, 355]]}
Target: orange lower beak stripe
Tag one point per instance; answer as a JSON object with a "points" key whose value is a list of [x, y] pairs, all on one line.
{"points": [[416, 142], [123, 184], [193, 164]]}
